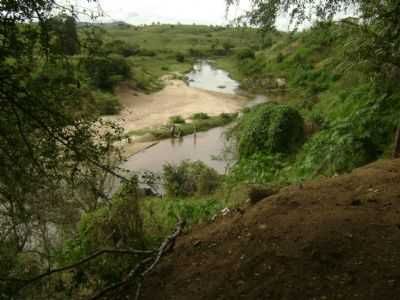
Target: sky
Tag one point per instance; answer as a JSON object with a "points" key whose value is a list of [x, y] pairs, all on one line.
{"points": [[139, 12]]}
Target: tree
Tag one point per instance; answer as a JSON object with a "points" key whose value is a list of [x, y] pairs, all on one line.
{"points": [[53, 161]]}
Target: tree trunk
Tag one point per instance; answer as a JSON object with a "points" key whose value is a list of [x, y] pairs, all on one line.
{"points": [[396, 151]]}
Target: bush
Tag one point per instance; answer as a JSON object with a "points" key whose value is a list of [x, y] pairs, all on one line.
{"points": [[121, 48], [105, 72], [270, 128], [259, 168], [147, 52], [218, 51], [160, 216], [117, 225], [177, 120], [245, 53], [106, 103], [180, 58], [280, 58], [200, 116], [228, 46], [196, 53], [355, 140], [189, 179]]}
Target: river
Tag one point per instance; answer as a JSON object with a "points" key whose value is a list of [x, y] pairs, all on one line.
{"points": [[203, 146]]}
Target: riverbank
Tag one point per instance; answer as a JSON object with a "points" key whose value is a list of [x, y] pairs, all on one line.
{"points": [[334, 238], [151, 112]]}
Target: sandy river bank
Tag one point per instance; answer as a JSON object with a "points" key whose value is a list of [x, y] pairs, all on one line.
{"points": [[176, 98]]}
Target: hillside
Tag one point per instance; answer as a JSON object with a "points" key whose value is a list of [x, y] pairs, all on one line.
{"points": [[335, 238], [350, 106]]}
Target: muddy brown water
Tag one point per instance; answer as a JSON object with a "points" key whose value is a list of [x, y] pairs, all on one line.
{"points": [[203, 146]]}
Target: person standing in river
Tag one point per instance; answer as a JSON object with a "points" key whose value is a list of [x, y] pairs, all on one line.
{"points": [[173, 131]]}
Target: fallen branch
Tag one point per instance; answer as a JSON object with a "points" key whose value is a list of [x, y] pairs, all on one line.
{"points": [[83, 261], [165, 247]]}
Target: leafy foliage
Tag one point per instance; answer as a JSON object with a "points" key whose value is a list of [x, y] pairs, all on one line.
{"points": [[270, 128], [104, 72], [106, 103], [189, 179], [116, 226], [245, 53], [54, 163], [63, 35]]}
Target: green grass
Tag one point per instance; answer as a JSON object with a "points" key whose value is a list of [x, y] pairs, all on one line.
{"points": [[167, 42], [160, 216]]}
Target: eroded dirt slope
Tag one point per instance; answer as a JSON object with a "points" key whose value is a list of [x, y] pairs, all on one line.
{"points": [[334, 238]]}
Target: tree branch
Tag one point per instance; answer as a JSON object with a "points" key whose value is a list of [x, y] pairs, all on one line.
{"points": [[83, 261], [165, 247]]}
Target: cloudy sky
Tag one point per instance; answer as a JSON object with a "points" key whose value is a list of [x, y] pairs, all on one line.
{"points": [[172, 11]]}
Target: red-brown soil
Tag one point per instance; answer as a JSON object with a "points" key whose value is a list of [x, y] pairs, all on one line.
{"points": [[336, 238]]}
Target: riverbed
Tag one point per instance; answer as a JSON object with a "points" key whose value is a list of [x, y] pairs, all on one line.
{"points": [[207, 147]]}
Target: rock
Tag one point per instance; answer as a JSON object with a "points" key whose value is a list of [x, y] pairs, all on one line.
{"points": [[225, 211], [281, 83], [222, 87]]}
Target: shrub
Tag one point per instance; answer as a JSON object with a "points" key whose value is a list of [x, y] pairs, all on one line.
{"points": [[122, 48], [245, 53], [189, 179], [280, 58], [106, 103], [228, 46], [359, 138], [177, 120], [270, 128], [105, 72], [260, 168], [196, 53], [117, 225], [218, 51], [147, 52], [200, 116], [160, 216], [180, 58]]}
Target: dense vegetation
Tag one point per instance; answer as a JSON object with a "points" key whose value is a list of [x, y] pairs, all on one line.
{"points": [[340, 111], [58, 160]]}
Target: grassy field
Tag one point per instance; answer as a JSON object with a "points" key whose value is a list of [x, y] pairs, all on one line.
{"points": [[169, 49]]}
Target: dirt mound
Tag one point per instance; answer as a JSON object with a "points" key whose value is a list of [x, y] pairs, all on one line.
{"points": [[335, 238]]}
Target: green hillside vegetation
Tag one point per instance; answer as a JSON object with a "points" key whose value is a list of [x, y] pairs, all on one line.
{"points": [[158, 50], [330, 114], [351, 112]]}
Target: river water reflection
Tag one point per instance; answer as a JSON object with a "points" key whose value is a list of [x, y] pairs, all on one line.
{"points": [[203, 146]]}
